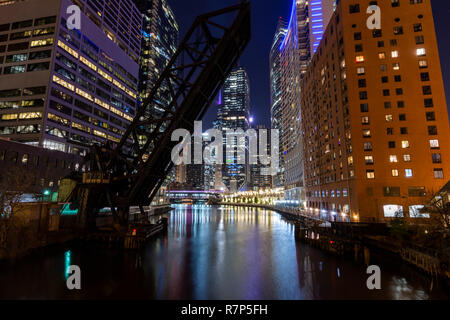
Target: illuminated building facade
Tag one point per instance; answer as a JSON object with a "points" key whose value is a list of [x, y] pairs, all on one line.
{"points": [[374, 116], [63, 89], [275, 92], [304, 31], [159, 43], [235, 114]]}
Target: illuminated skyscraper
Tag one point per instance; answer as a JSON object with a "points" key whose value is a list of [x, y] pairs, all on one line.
{"points": [[235, 115], [306, 24], [159, 43], [275, 91]]}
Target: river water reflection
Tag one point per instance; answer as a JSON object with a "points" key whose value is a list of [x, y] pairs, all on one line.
{"points": [[211, 253]]}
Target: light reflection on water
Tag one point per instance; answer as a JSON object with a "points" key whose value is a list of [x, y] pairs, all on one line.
{"points": [[212, 253]]}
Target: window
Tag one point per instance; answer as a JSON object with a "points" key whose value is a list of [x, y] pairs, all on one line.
{"points": [[402, 117], [408, 173], [361, 71], [37, 55], [416, 192], [22, 24], [391, 191], [394, 172], [10, 93], [357, 36], [389, 118], [423, 64], [424, 76], [18, 46], [420, 40], [438, 173], [434, 144], [354, 8], [369, 160], [431, 116], [395, 3], [359, 48], [403, 130], [386, 92], [399, 91], [359, 59], [366, 133], [389, 131], [436, 158], [432, 131], [365, 120], [396, 66], [393, 42], [364, 107], [44, 21], [383, 67], [398, 78], [367, 146], [393, 158], [407, 158], [38, 66], [380, 44], [363, 95], [428, 103], [385, 79], [381, 55], [417, 27], [34, 91], [362, 83], [421, 52], [398, 30], [41, 43], [16, 58], [405, 144], [14, 69], [377, 33], [387, 105], [391, 144], [370, 174], [394, 54], [392, 211], [426, 90]]}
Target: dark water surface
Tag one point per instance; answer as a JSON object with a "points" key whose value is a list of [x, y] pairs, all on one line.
{"points": [[211, 253]]}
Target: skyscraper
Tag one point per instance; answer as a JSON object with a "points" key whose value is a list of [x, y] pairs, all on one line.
{"points": [[63, 88], [374, 116], [235, 115], [304, 31], [159, 43], [275, 92]]}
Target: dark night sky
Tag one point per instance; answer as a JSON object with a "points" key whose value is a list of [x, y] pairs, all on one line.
{"points": [[265, 14]]}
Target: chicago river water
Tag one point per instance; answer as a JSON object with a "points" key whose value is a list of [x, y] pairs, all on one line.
{"points": [[211, 253]]}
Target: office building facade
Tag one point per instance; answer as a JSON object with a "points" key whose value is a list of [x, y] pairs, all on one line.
{"points": [[374, 116], [63, 88]]}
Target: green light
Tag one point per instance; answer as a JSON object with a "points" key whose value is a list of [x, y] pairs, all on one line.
{"points": [[46, 192]]}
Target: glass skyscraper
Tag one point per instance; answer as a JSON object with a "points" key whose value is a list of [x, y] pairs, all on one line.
{"points": [[275, 92], [234, 115]]}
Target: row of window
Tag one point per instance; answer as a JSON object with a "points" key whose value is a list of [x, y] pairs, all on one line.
{"points": [[438, 173], [355, 8], [27, 23]]}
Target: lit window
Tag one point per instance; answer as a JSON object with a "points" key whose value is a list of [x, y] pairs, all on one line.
{"points": [[41, 43], [68, 49], [423, 63], [394, 54], [366, 133], [396, 66], [370, 174], [389, 118], [369, 159], [395, 172], [359, 59], [84, 94], [405, 144], [393, 159], [438, 173], [350, 161], [434, 144], [10, 116], [407, 157], [24, 159], [421, 52], [381, 55], [63, 83], [88, 63], [408, 173], [361, 70]]}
